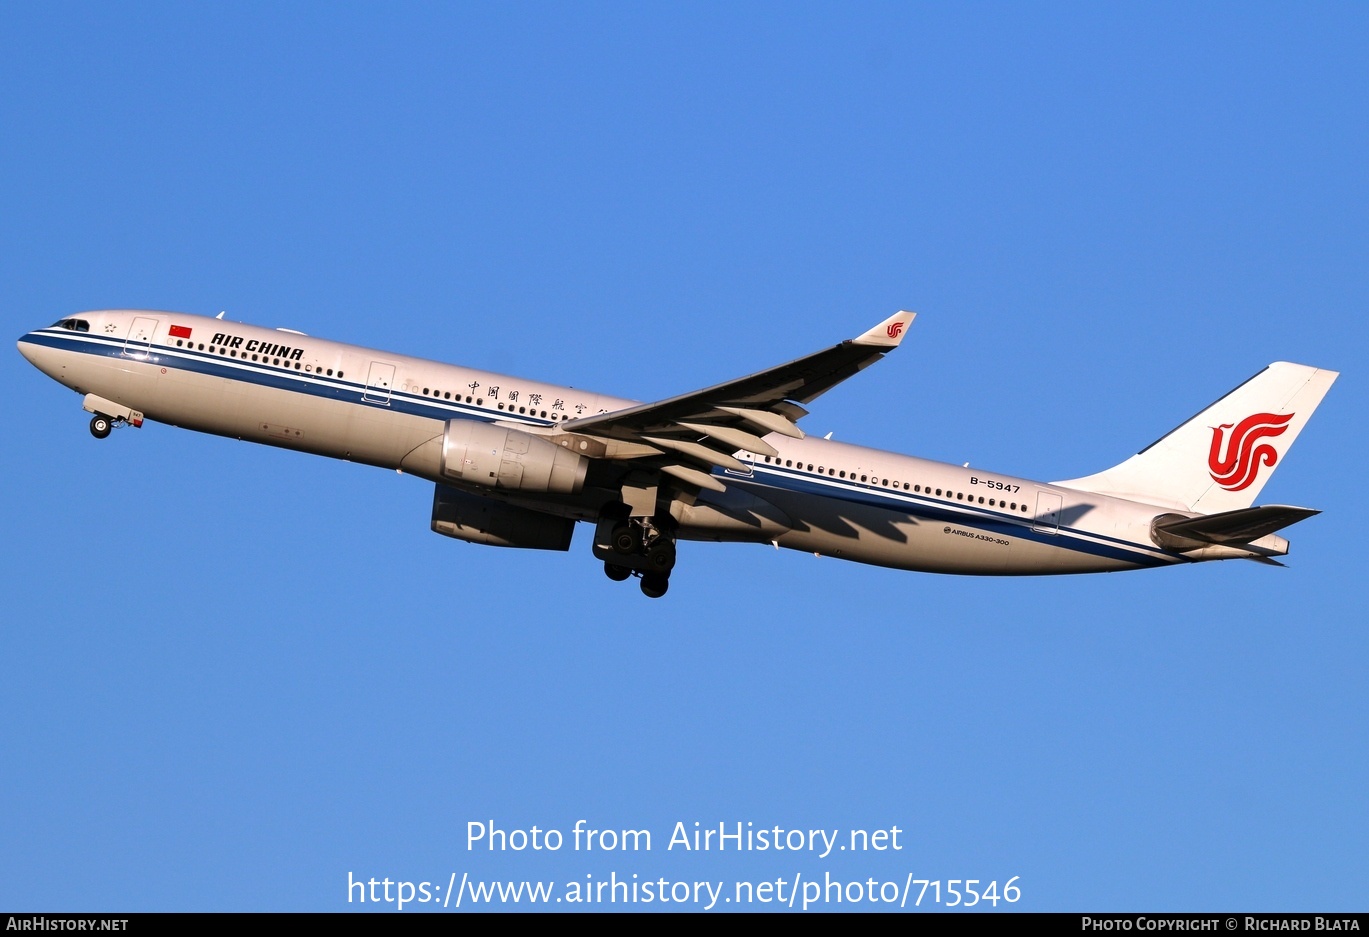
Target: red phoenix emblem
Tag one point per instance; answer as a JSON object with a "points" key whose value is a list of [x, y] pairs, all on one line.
{"points": [[1237, 467], [895, 329]]}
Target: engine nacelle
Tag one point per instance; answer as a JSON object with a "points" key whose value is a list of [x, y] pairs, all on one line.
{"points": [[475, 519], [499, 457]]}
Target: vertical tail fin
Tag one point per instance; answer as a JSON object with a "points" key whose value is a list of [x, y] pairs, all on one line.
{"points": [[1220, 459]]}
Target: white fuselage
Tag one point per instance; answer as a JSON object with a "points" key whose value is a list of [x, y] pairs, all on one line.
{"points": [[295, 391]]}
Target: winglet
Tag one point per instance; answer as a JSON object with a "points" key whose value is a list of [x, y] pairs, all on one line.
{"points": [[889, 332]]}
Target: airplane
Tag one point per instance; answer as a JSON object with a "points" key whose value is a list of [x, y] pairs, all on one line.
{"points": [[518, 462]]}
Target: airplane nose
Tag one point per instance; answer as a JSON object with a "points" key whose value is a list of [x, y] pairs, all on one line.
{"points": [[27, 348], [42, 358]]}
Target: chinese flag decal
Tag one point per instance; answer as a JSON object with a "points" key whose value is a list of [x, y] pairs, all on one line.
{"points": [[180, 331]]}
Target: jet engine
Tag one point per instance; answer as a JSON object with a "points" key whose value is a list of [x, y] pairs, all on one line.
{"points": [[483, 520], [499, 457]]}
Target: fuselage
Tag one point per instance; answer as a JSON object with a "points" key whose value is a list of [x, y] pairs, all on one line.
{"points": [[286, 389]]}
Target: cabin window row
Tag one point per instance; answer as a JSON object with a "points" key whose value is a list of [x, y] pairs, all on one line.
{"points": [[528, 411], [906, 486], [445, 395], [264, 359]]}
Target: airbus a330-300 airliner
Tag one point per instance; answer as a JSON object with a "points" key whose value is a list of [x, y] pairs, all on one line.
{"points": [[517, 463]]}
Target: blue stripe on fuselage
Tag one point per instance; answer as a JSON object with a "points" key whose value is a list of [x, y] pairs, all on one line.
{"points": [[280, 378], [331, 388], [925, 508]]}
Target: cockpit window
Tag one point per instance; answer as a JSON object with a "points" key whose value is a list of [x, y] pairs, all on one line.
{"points": [[75, 325]]}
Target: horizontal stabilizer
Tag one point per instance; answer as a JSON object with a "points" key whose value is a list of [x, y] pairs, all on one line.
{"points": [[1242, 526]]}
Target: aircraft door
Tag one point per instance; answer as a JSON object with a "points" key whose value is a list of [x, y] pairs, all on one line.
{"points": [[139, 341], [379, 383], [1047, 518]]}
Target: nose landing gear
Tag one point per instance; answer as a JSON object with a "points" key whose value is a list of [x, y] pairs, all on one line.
{"points": [[108, 415]]}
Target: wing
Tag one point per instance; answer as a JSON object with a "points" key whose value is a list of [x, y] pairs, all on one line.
{"points": [[686, 436]]}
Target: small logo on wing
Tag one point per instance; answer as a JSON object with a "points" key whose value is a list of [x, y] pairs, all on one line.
{"points": [[895, 329], [1234, 460]]}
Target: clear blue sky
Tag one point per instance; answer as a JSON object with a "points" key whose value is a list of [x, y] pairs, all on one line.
{"points": [[233, 675]]}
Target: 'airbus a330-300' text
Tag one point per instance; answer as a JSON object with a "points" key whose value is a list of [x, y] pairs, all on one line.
{"points": [[517, 463]]}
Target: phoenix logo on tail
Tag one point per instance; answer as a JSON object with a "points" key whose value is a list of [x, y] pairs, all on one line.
{"points": [[894, 330], [1239, 466]]}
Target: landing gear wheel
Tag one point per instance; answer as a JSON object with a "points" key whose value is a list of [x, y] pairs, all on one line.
{"points": [[624, 540], [615, 572], [661, 557], [100, 425], [654, 585]]}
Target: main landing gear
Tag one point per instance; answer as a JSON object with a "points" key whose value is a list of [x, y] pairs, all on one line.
{"points": [[639, 546]]}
